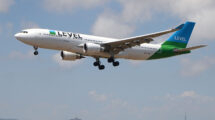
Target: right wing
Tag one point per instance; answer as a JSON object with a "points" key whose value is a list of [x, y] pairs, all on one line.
{"points": [[122, 44]]}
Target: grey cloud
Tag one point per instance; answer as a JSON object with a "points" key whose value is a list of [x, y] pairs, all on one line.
{"points": [[75, 119], [192, 67], [169, 106], [97, 97], [137, 12], [29, 24], [5, 5], [70, 5], [17, 55], [110, 25]]}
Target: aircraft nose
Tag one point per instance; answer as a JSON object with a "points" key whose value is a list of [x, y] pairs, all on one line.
{"points": [[17, 36]]}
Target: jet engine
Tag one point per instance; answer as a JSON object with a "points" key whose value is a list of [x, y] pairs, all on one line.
{"points": [[92, 48], [70, 56]]}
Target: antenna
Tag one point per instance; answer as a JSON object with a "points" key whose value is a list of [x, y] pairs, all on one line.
{"points": [[185, 117]]}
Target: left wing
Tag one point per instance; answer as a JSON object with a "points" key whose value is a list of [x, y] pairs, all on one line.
{"points": [[122, 44]]}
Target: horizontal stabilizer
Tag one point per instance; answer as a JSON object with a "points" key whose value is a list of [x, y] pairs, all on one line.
{"points": [[189, 49]]}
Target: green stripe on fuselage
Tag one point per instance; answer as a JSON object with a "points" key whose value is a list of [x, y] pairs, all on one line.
{"points": [[175, 44], [167, 50]]}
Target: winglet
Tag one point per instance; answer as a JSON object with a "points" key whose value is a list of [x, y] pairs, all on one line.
{"points": [[179, 27]]}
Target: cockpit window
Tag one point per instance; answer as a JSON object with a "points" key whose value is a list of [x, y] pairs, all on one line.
{"points": [[24, 31]]}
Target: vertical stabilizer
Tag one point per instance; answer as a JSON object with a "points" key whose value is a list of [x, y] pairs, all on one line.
{"points": [[181, 38]]}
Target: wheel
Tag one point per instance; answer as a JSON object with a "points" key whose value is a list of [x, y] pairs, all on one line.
{"points": [[36, 53], [96, 63], [101, 67], [115, 63], [110, 60]]}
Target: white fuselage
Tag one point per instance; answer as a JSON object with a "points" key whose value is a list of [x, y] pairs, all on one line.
{"points": [[72, 42]]}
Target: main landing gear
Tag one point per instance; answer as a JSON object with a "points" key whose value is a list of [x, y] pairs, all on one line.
{"points": [[98, 64], [112, 60], [36, 52]]}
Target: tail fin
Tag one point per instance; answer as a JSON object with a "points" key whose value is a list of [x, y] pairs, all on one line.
{"points": [[181, 38]]}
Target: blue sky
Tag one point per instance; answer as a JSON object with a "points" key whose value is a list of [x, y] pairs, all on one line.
{"points": [[46, 88]]}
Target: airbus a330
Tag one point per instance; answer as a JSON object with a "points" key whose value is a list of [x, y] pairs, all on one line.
{"points": [[75, 46]]}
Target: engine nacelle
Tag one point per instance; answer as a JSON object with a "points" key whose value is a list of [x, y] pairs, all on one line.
{"points": [[92, 48], [70, 56]]}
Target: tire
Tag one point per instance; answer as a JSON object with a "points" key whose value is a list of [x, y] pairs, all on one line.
{"points": [[36, 53], [101, 67], [115, 63], [110, 60], [96, 64]]}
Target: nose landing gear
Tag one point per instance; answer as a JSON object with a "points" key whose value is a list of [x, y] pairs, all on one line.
{"points": [[36, 52]]}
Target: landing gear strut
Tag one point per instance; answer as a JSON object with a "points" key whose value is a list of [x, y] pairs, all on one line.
{"points": [[98, 64], [112, 60], [36, 52]]}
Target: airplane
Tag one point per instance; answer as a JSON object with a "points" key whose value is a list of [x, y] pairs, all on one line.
{"points": [[75, 46]]}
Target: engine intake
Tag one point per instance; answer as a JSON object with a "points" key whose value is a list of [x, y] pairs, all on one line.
{"points": [[91, 48], [70, 56]]}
